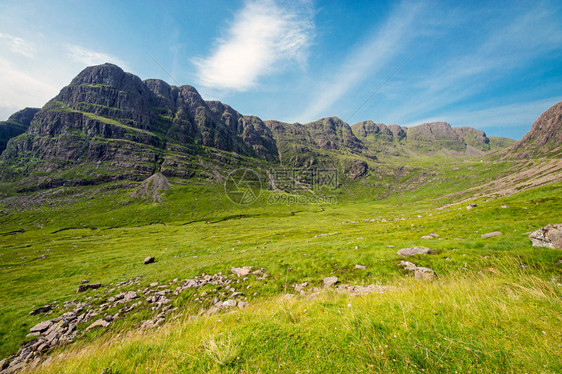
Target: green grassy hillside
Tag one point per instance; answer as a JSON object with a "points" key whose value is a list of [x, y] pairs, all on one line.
{"points": [[103, 234]]}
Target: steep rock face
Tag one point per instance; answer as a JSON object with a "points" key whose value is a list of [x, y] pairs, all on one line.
{"points": [[17, 124], [252, 129], [375, 131], [434, 136], [545, 137], [316, 143], [123, 127], [474, 138], [333, 133]]}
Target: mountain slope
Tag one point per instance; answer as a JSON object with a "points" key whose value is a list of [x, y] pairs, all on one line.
{"points": [[17, 124], [545, 137]]}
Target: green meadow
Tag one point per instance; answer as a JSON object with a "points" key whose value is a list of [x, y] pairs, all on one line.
{"points": [[495, 305]]}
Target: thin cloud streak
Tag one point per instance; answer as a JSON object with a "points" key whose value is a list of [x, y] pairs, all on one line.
{"points": [[262, 37], [368, 58], [89, 57], [463, 76], [17, 45]]}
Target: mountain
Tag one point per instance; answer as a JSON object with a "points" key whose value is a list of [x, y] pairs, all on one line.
{"points": [[110, 125], [545, 137], [17, 124], [428, 138]]}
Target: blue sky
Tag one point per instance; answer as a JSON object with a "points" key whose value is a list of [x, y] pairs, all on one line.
{"points": [[490, 65]]}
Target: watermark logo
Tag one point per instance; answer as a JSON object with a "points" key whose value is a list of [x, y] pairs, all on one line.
{"points": [[243, 186], [288, 186]]}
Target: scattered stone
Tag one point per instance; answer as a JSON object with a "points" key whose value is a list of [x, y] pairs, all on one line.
{"points": [[43, 309], [85, 287], [360, 267], [84, 281], [407, 252], [549, 236], [470, 206], [154, 284], [425, 274], [300, 287], [390, 246], [98, 323], [427, 237], [148, 260], [505, 206], [236, 294], [229, 303], [330, 281], [242, 272], [491, 234], [131, 295], [420, 273], [360, 290]]}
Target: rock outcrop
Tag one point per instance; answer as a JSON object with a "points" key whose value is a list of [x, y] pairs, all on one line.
{"points": [[549, 236]]}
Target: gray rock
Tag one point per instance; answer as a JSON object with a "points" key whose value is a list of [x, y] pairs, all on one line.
{"points": [[491, 234], [148, 260], [229, 303], [470, 206], [425, 274], [549, 236], [241, 272], [41, 326], [85, 287], [330, 281], [131, 295], [301, 286], [360, 267], [42, 309], [407, 252], [98, 323], [427, 237]]}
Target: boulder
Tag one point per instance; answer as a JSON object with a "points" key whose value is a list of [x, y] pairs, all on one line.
{"points": [[360, 267], [491, 234], [148, 260], [470, 206], [242, 272], [42, 309], [41, 326], [98, 323], [425, 274], [549, 236], [85, 287], [330, 281], [407, 252]]}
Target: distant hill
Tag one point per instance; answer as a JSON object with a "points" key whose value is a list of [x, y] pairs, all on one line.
{"points": [[17, 124]]}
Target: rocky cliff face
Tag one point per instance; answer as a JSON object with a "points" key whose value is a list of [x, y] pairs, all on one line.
{"points": [[108, 124], [17, 124], [427, 138], [545, 137]]}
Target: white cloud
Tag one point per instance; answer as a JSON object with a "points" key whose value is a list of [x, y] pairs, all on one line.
{"points": [[367, 58], [17, 45], [262, 37], [89, 57]]}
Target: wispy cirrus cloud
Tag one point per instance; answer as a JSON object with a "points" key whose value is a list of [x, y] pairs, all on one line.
{"points": [[381, 47], [89, 57], [17, 45], [262, 37]]}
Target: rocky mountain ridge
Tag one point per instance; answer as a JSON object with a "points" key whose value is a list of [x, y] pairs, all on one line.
{"points": [[109, 125]]}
